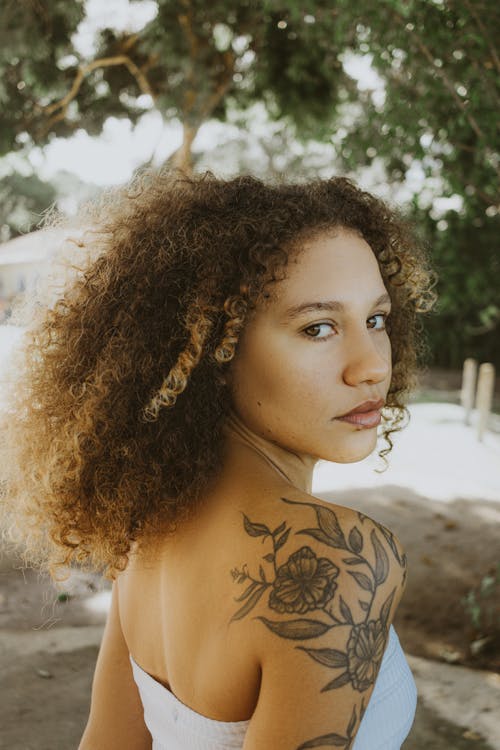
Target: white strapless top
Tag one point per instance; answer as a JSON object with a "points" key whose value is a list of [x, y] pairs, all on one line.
{"points": [[386, 723]]}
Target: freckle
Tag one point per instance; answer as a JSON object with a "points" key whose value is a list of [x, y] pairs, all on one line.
{"points": [[259, 403]]}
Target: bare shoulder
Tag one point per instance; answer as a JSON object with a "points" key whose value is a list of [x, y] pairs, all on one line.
{"points": [[297, 519], [318, 594]]}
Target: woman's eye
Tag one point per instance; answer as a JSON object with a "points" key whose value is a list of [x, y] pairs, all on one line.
{"points": [[376, 322], [381, 318], [315, 327]]}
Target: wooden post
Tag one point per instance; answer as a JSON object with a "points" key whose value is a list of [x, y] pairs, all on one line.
{"points": [[468, 387], [484, 398]]}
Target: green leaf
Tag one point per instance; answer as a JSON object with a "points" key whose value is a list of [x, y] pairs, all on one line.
{"points": [[299, 630], [329, 657]]}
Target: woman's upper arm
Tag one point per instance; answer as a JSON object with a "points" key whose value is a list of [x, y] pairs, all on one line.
{"points": [[320, 630], [116, 719]]}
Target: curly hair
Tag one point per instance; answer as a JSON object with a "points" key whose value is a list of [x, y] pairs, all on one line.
{"points": [[113, 428]]}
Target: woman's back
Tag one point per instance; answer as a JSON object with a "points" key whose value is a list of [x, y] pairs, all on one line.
{"points": [[187, 642]]}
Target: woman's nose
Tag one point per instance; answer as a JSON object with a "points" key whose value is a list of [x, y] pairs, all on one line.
{"points": [[367, 359]]}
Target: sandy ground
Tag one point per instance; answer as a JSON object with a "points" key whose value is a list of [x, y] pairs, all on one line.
{"points": [[441, 496]]}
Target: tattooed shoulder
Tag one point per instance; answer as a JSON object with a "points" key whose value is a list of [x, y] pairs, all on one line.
{"points": [[321, 590]]}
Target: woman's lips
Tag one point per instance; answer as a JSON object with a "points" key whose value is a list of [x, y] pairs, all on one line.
{"points": [[363, 419]]}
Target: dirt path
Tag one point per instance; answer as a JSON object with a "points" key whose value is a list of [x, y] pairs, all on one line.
{"points": [[450, 547]]}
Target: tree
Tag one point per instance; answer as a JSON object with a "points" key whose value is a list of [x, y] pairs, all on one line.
{"points": [[466, 258], [442, 69], [196, 61], [193, 61], [441, 66], [23, 199]]}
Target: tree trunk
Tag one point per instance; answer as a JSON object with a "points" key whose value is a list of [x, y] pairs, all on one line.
{"points": [[182, 159]]}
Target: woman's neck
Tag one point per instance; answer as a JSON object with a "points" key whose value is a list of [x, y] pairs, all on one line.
{"points": [[295, 468]]}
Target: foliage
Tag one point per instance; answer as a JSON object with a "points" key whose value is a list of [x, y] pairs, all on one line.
{"points": [[435, 109], [193, 61], [32, 44], [23, 199], [441, 67], [482, 606], [465, 255]]}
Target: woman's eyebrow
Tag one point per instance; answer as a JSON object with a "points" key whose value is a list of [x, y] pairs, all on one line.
{"points": [[329, 305]]}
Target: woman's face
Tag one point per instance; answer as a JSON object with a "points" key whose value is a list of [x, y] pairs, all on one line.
{"points": [[296, 372]]}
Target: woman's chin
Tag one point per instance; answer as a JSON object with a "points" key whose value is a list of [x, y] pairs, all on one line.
{"points": [[352, 455], [349, 459]]}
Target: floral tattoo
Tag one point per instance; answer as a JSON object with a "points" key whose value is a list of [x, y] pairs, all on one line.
{"points": [[305, 583]]}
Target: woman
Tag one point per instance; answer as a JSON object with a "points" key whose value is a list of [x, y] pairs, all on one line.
{"points": [[223, 337]]}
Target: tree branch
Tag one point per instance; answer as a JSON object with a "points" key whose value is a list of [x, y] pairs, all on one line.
{"points": [[186, 24], [484, 32], [223, 84], [449, 85], [83, 71], [443, 76], [485, 80]]}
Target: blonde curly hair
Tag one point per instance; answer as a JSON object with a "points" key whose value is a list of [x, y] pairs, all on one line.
{"points": [[113, 428]]}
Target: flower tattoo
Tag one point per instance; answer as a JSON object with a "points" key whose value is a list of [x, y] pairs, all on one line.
{"points": [[303, 583], [306, 582], [365, 650]]}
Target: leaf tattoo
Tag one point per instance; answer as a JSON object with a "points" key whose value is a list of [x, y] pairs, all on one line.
{"points": [[381, 559], [254, 592], [298, 630], [356, 540], [305, 582], [255, 529], [336, 740], [329, 531]]}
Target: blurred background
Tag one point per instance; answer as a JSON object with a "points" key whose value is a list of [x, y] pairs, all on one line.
{"points": [[401, 95]]}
